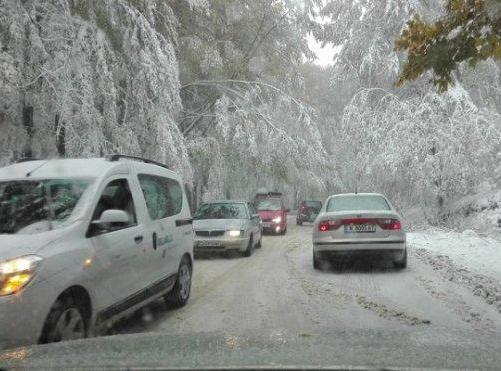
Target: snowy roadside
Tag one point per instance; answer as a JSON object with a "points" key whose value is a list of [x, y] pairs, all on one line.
{"points": [[466, 258]]}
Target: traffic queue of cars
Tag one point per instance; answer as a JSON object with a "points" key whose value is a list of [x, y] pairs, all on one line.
{"points": [[85, 242]]}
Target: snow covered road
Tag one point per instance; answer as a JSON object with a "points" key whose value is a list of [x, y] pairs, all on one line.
{"points": [[428, 315]]}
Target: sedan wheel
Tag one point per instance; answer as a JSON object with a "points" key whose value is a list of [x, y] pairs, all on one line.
{"points": [[248, 251]]}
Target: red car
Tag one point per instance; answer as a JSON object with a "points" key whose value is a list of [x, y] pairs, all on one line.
{"points": [[273, 213]]}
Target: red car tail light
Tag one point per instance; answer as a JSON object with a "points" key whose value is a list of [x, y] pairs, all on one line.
{"points": [[390, 224], [329, 225]]}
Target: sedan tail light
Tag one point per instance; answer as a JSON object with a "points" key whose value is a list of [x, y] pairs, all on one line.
{"points": [[390, 224], [329, 225]]}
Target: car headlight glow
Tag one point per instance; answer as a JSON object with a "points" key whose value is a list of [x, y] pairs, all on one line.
{"points": [[16, 273], [235, 233], [277, 220]]}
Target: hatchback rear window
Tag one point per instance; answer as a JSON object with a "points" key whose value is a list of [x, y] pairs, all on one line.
{"points": [[357, 203]]}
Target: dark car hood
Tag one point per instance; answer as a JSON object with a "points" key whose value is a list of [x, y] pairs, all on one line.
{"points": [[266, 349]]}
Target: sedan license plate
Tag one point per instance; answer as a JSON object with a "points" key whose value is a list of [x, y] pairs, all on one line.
{"points": [[360, 228], [209, 243], [267, 225]]}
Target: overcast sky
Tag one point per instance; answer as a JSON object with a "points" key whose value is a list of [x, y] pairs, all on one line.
{"points": [[325, 55]]}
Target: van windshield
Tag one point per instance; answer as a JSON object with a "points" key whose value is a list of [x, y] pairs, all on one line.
{"points": [[34, 206]]}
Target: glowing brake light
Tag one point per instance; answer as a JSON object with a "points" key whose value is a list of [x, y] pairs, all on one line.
{"points": [[329, 225], [390, 224]]}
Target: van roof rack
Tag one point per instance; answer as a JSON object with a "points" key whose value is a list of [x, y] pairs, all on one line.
{"points": [[117, 157]]}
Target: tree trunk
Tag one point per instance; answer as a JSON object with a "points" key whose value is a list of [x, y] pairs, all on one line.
{"points": [[28, 126], [60, 137]]}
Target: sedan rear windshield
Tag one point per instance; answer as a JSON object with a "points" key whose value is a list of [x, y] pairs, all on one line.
{"points": [[33, 206], [221, 211], [357, 203]]}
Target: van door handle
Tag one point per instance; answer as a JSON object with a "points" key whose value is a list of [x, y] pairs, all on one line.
{"points": [[138, 239], [154, 240], [181, 222]]}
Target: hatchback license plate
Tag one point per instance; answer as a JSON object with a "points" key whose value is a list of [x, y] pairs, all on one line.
{"points": [[360, 228], [209, 243]]}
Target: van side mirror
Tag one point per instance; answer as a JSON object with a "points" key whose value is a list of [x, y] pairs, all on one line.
{"points": [[113, 216], [255, 216]]}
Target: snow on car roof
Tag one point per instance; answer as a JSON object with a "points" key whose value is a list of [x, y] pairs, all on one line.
{"points": [[225, 202], [73, 168], [357, 194]]}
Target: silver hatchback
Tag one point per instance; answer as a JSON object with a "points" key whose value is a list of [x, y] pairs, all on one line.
{"points": [[362, 223], [227, 225]]}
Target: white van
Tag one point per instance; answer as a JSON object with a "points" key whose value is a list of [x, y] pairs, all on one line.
{"points": [[84, 242]]}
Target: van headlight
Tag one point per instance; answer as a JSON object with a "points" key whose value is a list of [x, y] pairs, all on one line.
{"points": [[17, 273], [277, 220], [236, 233]]}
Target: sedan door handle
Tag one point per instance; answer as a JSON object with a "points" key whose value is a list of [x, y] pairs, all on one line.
{"points": [[138, 239], [181, 222]]}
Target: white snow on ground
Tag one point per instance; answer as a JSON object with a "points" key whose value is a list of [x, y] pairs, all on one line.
{"points": [[465, 258], [476, 253]]}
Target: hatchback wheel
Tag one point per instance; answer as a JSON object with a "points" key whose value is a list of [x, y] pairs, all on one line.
{"points": [[66, 321], [180, 294]]}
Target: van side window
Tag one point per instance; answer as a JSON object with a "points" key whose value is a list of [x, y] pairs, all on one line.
{"points": [[117, 196], [164, 196]]}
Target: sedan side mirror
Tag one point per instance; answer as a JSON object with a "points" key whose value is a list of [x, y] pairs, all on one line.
{"points": [[113, 216]]}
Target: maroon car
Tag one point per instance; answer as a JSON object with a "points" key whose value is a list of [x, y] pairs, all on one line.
{"points": [[272, 211]]}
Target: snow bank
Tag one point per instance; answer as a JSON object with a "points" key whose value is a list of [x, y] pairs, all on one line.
{"points": [[479, 212], [477, 253], [466, 258]]}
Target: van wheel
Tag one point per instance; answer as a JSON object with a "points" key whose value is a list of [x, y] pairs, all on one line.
{"points": [[66, 321], [180, 293], [248, 251], [299, 222]]}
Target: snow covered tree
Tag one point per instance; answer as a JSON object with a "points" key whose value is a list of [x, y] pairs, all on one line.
{"points": [[90, 77]]}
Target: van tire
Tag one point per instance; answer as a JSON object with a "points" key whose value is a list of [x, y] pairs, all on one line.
{"points": [[180, 293], [64, 306]]}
